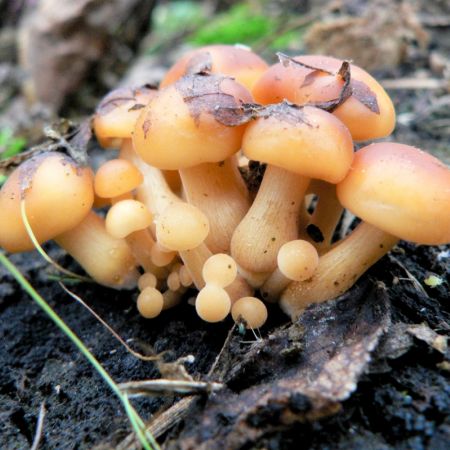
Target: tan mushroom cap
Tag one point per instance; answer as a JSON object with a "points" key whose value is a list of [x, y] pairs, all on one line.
{"points": [[290, 82], [252, 310], [116, 177], [126, 217], [183, 125], [240, 63], [308, 141], [181, 227], [117, 113], [400, 190], [58, 195]]}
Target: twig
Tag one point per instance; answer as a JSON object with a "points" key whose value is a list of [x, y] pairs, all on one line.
{"points": [[224, 346], [171, 416], [415, 83], [410, 276], [168, 387], [39, 427]]}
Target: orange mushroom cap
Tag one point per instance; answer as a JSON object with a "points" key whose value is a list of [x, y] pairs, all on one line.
{"points": [[305, 140], [116, 177], [238, 62], [58, 195], [400, 190], [118, 111], [368, 112], [193, 121]]}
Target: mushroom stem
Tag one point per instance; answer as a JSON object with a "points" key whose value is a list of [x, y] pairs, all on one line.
{"points": [[339, 268], [173, 298], [271, 221], [210, 184], [194, 261], [326, 215], [274, 286], [141, 243], [106, 259], [154, 192]]}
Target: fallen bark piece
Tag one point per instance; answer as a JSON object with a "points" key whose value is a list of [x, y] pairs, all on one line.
{"points": [[305, 371]]}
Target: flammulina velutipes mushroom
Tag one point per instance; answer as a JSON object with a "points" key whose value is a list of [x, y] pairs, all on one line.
{"points": [[177, 215]]}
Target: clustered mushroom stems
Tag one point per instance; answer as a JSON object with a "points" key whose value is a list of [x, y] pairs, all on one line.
{"points": [[156, 194], [275, 244]]}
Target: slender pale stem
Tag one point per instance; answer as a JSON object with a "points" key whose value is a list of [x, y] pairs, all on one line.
{"points": [[107, 260], [274, 286], [326, 215], [154, 192], [271, 221], [339, 268], [220, 192]]}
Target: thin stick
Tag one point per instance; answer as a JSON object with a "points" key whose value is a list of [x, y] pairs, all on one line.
{"points": [[410, 276], [168, 387], [39, 427], [108, 327], [414, 83], [168, 418]]}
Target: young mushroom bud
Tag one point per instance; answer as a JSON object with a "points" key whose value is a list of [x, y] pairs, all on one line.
{"points": [[220, 269], [213, 303], [399, 192], [116, 177], [150, 303], [297, 261], [147, 280], [181, 227], [251, 310], [126, 217]]}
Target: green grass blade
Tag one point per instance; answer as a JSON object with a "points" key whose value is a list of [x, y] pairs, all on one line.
{"points": [[146, 439]]}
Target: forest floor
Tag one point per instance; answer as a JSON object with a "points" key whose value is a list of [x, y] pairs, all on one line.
{"points": [[368, 370]]}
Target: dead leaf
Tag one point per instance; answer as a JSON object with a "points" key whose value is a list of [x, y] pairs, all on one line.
{"points": [[202, 93], [306, 370]]}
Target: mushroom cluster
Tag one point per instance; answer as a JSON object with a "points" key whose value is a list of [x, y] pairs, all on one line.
{"points": [[180, 215]]}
